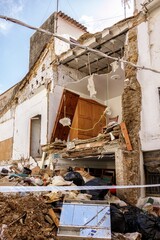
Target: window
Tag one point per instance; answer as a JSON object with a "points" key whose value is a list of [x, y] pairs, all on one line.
{"points": [[74, 41]]}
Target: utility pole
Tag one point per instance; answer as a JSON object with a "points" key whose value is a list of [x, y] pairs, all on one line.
{"points": [[57, 9], [124, 8]]}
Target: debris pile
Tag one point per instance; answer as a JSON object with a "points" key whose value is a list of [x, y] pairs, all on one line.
{"points": [[37, 217], [82, 148], [25, 217]]}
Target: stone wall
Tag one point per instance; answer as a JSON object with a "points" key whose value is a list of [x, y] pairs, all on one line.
{"points": [[131, 105], [39, 40]]}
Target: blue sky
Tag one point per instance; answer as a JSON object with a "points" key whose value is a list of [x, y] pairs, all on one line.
{"points": [[14, 39]]}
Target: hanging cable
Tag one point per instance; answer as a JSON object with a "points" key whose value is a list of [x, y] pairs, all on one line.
{"points": [[97, 65], [89, 65], [64, 101], [89, 129]]}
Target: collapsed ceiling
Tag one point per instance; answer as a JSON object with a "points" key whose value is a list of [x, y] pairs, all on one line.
{"points": [[110, 41]]}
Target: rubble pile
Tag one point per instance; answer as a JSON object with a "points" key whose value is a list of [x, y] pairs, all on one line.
{"points": [[37, 216], [82, 148], [24, 217]]}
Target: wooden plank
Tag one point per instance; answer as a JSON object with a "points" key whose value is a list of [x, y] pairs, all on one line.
{"points": [[90, 145], [54, 217], [126, 136]]}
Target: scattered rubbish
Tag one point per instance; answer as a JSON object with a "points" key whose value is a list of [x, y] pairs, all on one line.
{"points": [[27, 171], [96, 194], [48, 213], [127, 236], [117, 220], [75, 177]]}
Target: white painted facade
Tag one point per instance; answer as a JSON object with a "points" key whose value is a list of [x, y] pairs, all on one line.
{"points": [[40, 97], [53, 101], [66, 30], [4, 127], [37, 105], [149, 53]]}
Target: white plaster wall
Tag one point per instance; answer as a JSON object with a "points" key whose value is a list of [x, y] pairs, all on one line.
{"points": [[37, 105], [67, 75], [116, 107], [149, 52], [41, 77], [146, 5], [67, 30], [7, 116], [54, 102], [7, 125], [65, 27], [6, 129]]}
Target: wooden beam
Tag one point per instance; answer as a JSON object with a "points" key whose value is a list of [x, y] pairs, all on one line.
{"points": [[126, 136], [54, 217]]}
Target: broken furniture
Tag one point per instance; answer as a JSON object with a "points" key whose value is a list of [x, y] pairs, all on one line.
{"points": [[84, 221]]}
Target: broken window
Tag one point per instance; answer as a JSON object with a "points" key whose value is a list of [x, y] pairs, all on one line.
{"points": [[74, 41]]}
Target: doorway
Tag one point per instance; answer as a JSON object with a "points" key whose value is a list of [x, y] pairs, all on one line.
{"points": [[35, 137]]}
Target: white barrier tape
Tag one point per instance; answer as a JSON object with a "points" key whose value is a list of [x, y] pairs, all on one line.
{"points": [[10, 189]]}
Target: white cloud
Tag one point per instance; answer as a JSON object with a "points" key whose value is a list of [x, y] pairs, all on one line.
{"points": [[88, 22], [10, 8], [106, 15]]}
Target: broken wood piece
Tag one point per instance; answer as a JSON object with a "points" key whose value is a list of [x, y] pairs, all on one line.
{"points": [[126, 136], [16, 220], [54, 217], [15, 169], [42, 161], [35, 171], [48, 219]]}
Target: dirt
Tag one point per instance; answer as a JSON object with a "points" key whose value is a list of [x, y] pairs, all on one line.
{"points": [[24, 217]]}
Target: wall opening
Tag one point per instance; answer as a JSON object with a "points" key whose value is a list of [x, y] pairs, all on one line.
{"points": [[35, 137], [98, 166], [152, 171]]}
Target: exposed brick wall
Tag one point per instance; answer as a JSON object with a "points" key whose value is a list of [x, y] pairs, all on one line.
{"points": [[131, 99], [131, 104]]}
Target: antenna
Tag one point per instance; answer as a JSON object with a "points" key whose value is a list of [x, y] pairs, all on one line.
{"points": [[125, 4]]}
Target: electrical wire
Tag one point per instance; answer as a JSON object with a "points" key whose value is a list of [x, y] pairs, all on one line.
{"points": [[89, 129], [46, 11], [103, 19], [76, 15]]}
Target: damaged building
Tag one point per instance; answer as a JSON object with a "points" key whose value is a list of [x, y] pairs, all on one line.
{"points": [[86, 110]]}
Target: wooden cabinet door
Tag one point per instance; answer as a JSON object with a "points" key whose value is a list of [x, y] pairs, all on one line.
{"points": [[88, 112]]}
